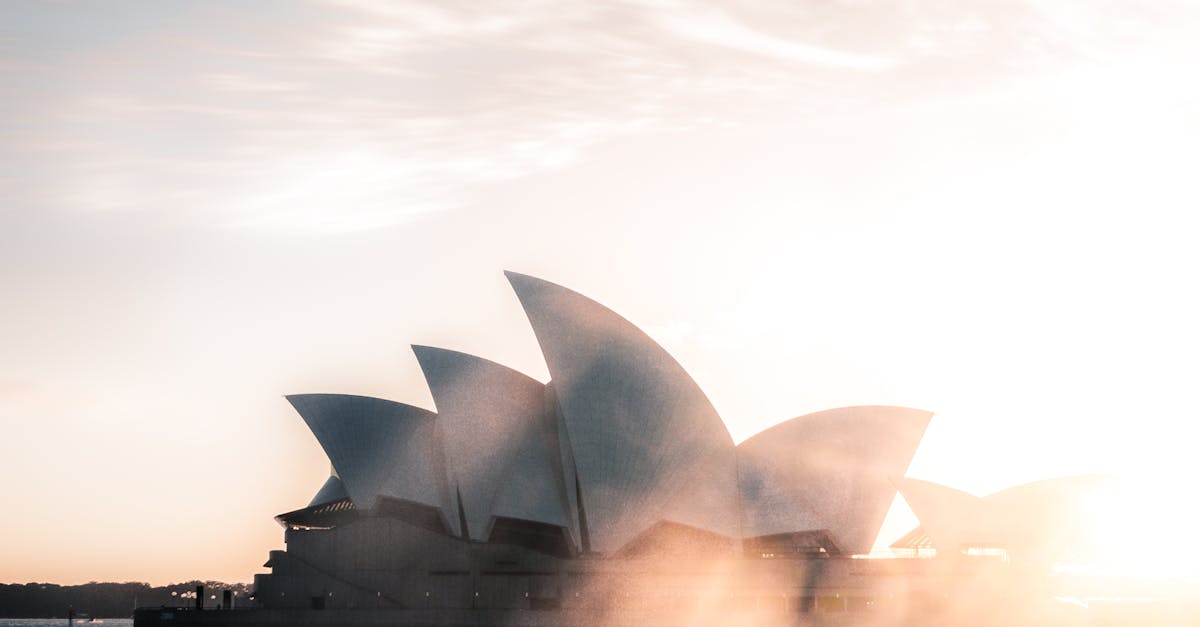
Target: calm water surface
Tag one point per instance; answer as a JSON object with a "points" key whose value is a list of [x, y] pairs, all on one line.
{"points": [[61, 622]]}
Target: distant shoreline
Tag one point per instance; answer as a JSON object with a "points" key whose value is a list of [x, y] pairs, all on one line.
{"points": [[107, 599]]}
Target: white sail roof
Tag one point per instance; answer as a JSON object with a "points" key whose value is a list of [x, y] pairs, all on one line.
{"points": [[378, 447], [642, 434], [951, 518], [501, 444], [1038, 520], [830, 470]]}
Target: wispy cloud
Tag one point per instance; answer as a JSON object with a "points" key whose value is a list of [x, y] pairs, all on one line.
{"points": [[348, 114], [714, 28]]}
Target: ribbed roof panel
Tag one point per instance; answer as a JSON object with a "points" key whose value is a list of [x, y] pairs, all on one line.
{"points": [[501, 449], [640, 430], [378, 447], [830, 470]]}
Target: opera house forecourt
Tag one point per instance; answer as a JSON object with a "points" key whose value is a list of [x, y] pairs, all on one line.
{"points": [[613, 494]]}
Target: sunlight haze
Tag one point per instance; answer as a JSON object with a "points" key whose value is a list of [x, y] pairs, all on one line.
{"points": [[985, 211]]}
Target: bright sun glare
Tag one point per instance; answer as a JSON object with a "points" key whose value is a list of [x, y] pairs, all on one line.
{"points": [[1142, 529]]}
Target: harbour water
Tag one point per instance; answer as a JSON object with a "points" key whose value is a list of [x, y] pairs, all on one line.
{"points": [[61, 622]]}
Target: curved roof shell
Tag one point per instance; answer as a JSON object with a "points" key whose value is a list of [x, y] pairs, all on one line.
{"points": [[1041, 519], [830, 470], [952, 518], [1047, 517], [332, 490], [378, 447], [642, 435], [501, 446]]}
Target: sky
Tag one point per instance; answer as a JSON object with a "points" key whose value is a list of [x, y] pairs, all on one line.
{"points": [[985, 210]]}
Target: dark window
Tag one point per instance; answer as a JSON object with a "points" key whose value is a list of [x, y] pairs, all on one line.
{"points": [[549, 539]]}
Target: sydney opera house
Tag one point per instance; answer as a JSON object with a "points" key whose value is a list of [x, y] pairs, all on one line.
{"points": [[614, 494]]}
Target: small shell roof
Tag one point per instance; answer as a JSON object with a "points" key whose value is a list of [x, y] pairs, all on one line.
{"points": [[1039, 519], [378, 447], [331, 491], [829, 470]]}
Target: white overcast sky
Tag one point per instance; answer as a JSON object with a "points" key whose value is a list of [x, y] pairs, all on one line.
{"points": [[980, 209]]}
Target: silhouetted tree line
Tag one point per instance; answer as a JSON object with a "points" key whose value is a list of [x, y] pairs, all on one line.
{"points": [[108, 600]]}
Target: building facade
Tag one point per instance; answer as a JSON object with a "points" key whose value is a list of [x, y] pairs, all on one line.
{"points": [[614, 485]]}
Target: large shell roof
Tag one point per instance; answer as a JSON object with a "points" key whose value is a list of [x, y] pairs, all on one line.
{"points": [[641, 431], [377, 447], [830, 470], [501, 453], [620, 440]]}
